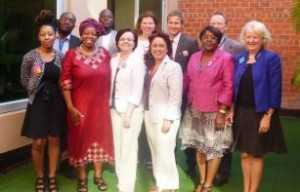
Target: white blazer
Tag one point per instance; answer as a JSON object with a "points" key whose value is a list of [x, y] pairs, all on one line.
{"points": [[129, 81], [166, 92]]}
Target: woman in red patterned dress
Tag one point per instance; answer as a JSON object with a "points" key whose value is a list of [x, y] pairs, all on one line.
{"points": [[85, 81]]}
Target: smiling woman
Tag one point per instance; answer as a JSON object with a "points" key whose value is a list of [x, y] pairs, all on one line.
{"points": [[16, 37]]}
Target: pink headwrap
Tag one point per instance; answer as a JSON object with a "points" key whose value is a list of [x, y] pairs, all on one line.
{"points": [[91, 23]]}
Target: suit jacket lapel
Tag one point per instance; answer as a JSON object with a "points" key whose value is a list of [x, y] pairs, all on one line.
{"points": [[159, 70]]}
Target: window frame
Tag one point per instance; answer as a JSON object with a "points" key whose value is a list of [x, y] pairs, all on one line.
{"points": [[20, 104]]}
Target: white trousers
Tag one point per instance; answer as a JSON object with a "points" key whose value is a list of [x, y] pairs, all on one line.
{"points": [[126, 148], [162, 147]]}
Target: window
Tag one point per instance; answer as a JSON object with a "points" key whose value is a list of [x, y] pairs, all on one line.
{"points": [[17, 36]]}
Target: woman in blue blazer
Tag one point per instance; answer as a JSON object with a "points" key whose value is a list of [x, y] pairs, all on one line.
{"points": [[257, 88]]}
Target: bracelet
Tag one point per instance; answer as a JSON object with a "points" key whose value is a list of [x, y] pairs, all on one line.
{"points": [[223, 111]]}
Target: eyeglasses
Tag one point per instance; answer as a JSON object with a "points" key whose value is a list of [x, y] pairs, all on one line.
{"points": [[126, 39]]}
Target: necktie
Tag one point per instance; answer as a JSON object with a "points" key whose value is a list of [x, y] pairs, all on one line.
{"points": [[61, 44]]}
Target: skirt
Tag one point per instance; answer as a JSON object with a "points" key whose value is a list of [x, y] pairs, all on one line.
{"points": [[45, 117], [246, 136], [198, 131]]}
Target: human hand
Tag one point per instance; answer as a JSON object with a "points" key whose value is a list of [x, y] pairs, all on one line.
{"points": [[126, 120], [264, 124], [220, 121], [75, 115], [229, 117], [166, 126]]}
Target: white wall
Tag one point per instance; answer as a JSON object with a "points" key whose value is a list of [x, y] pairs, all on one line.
{"points": [[82, 9], [10, 131]]}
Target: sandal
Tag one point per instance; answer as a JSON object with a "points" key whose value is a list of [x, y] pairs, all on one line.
{"points": [[82, 185], [99, 181], [207, 188], [40, 185], [52, 184], [199, 187]]}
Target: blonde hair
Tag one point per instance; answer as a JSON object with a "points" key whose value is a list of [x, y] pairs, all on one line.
{"points": [[256, 27]]}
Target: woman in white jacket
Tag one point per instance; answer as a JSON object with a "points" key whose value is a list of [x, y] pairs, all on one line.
{"points": [[128, 72], [163, 93]]}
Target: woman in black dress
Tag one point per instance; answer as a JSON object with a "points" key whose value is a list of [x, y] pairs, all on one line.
{"points": [[45, 115], [257, 84]]}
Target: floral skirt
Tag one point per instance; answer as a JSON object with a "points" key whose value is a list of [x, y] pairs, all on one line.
{"points": [[198, 131]]}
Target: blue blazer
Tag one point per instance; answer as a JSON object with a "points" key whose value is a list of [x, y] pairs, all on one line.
{"points": [[267, 77]]}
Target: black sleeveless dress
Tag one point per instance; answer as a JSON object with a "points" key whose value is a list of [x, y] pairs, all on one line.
{"points": [[247, 120], [46, 116]]}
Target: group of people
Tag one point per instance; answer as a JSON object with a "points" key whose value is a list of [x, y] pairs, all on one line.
{"points": [[215, 93]]}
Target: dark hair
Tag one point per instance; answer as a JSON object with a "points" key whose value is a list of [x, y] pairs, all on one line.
{"points": [[176, 13], [216, 32], [121, 32], [145, 15], [149, 60], [46, 17]]}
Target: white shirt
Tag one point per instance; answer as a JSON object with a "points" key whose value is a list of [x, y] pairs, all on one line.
{"points": [[142, 47], [129, 82], [175, 44], [65, 44], [108, 42]]}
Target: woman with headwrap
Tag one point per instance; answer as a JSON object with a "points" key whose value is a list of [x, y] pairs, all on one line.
{"points": [[85, 82]]}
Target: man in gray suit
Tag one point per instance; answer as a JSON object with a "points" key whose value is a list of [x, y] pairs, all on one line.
{"points": [[65, 40], [233, 47], [219, 21], [183, 47]]}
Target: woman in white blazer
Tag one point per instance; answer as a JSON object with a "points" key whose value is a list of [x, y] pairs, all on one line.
{"points": [[128, 73], [163, 93]]}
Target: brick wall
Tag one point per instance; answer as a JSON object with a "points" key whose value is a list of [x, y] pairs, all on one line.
{"points": [[276, 14]]}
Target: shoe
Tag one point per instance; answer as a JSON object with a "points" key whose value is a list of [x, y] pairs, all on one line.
{"points": [[52, 184], [220, 180], [82, 185], [40, 184], [100, 183]]}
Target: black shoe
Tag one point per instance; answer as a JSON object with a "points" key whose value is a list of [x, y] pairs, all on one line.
{"points": [[220, 180]]}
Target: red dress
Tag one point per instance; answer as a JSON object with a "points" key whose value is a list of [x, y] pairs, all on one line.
{"points": [[88, 79]]}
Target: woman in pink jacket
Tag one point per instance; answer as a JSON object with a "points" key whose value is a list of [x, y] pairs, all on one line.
{"points": [[208, 80]]}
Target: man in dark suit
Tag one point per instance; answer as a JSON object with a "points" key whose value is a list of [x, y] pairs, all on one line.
{"points": [[219, 21], [65, 40], [183, 47]]}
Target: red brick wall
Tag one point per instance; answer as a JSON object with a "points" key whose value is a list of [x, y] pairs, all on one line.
{"points": [[276, 14]]}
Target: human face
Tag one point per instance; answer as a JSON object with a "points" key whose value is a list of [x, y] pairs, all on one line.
{"points": [[174, 25], [126, 42], [106, 18], [89, 37], [209, 41], [253, 41], [67, 23], [147, 26], [218, 21], [158, 48], [46, 36]]}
